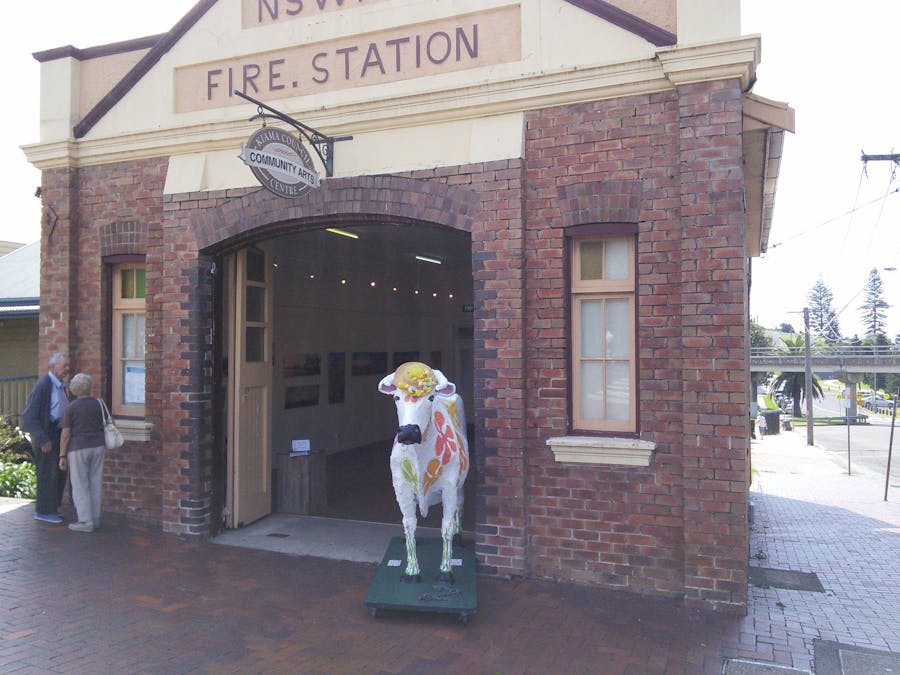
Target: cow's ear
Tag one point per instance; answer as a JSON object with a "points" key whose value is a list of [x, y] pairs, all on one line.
{"points": [[445, 389], [387, 386], [444, 386]]}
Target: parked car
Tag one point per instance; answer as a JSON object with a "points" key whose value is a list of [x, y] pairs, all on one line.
{"points": [[883, 405], [877, 402]]}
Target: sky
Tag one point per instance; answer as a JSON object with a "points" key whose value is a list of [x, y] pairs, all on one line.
{"points": [[837, 67]]}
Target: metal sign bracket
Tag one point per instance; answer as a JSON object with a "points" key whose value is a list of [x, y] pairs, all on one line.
{"points": [[322, 144]]}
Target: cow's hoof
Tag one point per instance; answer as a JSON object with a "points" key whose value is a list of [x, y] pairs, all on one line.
{"points": [[410, 578], [446, 577]]}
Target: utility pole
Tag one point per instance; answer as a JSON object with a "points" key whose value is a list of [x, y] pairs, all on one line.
{"points": [[809, 381]]}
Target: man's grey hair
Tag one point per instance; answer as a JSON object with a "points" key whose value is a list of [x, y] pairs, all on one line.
{"points": [[56, 357], [81, 384]]}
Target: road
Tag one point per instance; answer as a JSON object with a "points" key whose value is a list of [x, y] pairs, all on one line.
{"points": [[868, 442]]}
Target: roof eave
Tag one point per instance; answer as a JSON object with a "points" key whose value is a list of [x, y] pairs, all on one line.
{"points": [[765, 122]]}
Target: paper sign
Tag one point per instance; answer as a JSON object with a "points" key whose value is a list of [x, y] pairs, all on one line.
{"points": [[300, 447]]}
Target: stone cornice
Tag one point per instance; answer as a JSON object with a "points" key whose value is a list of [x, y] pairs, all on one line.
{"points": [[672, 67], [713, 61]]}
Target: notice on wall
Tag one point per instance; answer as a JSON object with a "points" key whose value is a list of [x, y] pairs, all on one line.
{"points": [[299, 447], [134, 385]]}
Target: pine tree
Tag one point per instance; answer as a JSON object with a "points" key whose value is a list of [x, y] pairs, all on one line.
{"points": [[822, 317], [874, 305]]}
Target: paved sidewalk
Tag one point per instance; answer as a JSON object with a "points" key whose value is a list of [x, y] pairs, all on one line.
{"points": [[129, 599], [810, 516]]}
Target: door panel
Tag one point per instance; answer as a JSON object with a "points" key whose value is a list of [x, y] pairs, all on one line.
{"points": [[251, 411]]}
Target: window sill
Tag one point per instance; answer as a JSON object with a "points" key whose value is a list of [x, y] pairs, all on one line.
{"points": [[135, 430], [602, 450]]}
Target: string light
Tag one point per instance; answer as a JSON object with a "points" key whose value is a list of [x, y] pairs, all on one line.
{"points": [[373, 283]]}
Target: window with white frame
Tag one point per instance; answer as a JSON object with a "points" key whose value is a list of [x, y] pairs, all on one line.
{"points": [[128, 338], [604, 386]]}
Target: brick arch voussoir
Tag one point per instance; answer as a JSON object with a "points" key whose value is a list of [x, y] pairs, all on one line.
{"points": [[610, 201], [368, 198]]}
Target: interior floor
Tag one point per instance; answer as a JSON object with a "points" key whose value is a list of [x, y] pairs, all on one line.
{"points": [[374, 502]]}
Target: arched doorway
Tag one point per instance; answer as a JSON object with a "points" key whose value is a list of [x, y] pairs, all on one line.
{"points": [[326, 312], [395, 219]]}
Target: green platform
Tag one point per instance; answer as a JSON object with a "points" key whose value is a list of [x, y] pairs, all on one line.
{"points": [[428, 595]]}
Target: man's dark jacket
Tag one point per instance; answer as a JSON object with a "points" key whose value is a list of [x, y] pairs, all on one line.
{"points": [[36, 416]]}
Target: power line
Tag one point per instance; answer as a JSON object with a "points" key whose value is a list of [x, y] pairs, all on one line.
{"points": [[831, 220], [862, 173]]}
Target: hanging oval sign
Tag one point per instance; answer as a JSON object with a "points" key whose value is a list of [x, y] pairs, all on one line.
{"points": [[280, 162]]}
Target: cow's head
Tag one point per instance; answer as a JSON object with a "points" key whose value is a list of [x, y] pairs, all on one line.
{"points": [[414, 387]]}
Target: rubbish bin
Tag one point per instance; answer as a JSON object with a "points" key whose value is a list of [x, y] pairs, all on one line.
{"points": [[773, 421]]}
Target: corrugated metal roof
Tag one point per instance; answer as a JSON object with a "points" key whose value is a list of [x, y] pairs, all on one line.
{"points": [[19, 310], [20, 273]]}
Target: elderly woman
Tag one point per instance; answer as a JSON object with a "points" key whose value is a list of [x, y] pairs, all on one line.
{"points": [[81, 449]]}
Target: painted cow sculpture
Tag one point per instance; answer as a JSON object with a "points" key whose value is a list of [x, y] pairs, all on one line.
{"points": [[430, 457]]}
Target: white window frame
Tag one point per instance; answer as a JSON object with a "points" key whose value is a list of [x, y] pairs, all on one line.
{"points": [[120, 308], [602, 289]]}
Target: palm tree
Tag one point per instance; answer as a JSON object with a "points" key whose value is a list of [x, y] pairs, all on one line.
{"points": [[795, 383]]}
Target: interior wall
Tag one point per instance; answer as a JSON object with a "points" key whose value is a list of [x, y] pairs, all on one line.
{"points": [[317, 316]]}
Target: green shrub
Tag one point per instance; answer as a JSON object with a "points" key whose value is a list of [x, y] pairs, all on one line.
{"points": [[17, 479], [17, 476]]}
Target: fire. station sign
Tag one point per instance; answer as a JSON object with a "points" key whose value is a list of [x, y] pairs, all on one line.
{"points": [[280, 162], [483, 39]]}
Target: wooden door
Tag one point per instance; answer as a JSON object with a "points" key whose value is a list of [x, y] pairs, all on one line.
{"points": [[250, 411]]}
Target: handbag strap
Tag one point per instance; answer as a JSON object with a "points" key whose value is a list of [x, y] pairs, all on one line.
{"points": [[106, 416]]}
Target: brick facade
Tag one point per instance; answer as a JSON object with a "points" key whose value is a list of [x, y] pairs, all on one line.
{"points": [[669, 163]]}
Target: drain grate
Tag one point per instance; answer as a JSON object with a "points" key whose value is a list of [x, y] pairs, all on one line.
{"points": [[742, 667], [279, 535], [834, 658], [768, 577]]}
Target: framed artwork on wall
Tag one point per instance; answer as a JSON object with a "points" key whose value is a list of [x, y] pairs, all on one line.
{"points": [[301, 396], [369, 363], [337, 370], [298, 365]]}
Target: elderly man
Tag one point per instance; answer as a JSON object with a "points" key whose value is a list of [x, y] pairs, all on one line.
{"points": [[41, 417]]}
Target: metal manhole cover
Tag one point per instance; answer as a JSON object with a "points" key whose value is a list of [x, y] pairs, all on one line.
{"points": [[768, 577]]}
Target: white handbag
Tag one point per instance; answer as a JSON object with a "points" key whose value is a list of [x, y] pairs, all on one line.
{"points": [[111, 433]]}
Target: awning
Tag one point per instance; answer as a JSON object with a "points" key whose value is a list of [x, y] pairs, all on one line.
{"points": [[765, 122]]}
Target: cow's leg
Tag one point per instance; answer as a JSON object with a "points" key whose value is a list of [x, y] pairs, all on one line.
{"points": [[457, 529], [448, 529], [411, 575], [407, 503]]}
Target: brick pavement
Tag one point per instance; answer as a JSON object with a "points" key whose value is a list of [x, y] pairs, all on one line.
{"points": [[810, 516], [129, 599]]}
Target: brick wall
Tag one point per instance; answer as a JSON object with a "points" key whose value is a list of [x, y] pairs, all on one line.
{"points": [[89, 213], [715, 364], [671, 163]]}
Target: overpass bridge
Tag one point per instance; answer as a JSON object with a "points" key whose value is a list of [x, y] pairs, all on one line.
{"points": [[842, 359]]}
